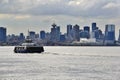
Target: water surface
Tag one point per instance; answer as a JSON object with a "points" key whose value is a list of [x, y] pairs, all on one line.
{"points": [[61, 63]]}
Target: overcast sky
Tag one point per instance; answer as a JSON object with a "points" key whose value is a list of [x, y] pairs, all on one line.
{"points": [[20, 15]]}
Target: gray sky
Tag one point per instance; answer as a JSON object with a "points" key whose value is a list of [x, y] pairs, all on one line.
{"points": [[20, 15]]}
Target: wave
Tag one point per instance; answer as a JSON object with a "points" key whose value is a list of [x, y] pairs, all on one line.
{"points": [[82, 55]]}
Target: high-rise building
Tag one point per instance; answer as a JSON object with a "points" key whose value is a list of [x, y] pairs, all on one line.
{"points": [[69, 28], [94, 26], [55, 33], [76, 32], [119, 36], [37, 35], [42, 34], [48, 36], [87, 28], [84, 34], [98, 33], [21, 37], [58, 33], [94, 29], [69, 32], [2, 34], [31, 34], [62, 38], [110, 33]]}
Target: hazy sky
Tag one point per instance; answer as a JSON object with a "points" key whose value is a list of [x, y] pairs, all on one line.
{"points": [[20, 15]]}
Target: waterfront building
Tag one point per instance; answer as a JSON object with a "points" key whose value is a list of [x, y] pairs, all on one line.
{"points": [[42, 34], [62, 38], [37, 36], [87, 28], [55, 33], [94, 27], [119, 37], [110, 33], [32, 35], [69, 28], [2, 34], [58, 33], [21, 37], [98, 33], [48, 36], [84, 34], [13, 39], [69, 33], [76, 32]]}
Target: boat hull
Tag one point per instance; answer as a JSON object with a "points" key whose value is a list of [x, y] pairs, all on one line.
{"points": [[24, 49]]}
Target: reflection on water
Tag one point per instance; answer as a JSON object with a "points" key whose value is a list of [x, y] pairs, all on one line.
{"points": [[61, 63]]}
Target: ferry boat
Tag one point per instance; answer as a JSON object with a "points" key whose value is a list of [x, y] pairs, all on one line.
{"points": [[29, 47]]}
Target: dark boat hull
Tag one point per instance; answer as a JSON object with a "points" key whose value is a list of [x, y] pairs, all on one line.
{"points": [[24, 49]]}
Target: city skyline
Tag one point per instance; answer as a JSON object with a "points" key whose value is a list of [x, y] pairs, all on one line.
{"points": [[74, 34], [65, 32], [20, 15]]}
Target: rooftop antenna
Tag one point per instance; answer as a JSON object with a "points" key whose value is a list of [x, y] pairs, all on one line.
{"points": [[28, 37], [28, 32]]}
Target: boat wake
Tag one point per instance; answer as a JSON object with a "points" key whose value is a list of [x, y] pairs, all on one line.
{"points": [[82, 55]]}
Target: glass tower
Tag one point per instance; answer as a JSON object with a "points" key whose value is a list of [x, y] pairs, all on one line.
{"points": [[2, 34], [76, 32], [42, 34], [110, 32], [69, 28], [94, 27]]}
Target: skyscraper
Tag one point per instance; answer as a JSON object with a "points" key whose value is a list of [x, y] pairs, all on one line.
{"points": [[55, 33], [94, 26], [32, 34], [76, 35], [98, 34], [58, 33], [21, 37], [62, 38], [119, 36], [69, 28], [42, 34], [84, 34], [69, 32], [2, 34], [110, 33], [87, 28]]}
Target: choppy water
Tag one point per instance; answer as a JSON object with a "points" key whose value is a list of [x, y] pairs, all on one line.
{"points": [[61, 63]]}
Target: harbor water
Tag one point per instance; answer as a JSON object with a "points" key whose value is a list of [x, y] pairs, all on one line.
{"points": [[61, 63]]}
